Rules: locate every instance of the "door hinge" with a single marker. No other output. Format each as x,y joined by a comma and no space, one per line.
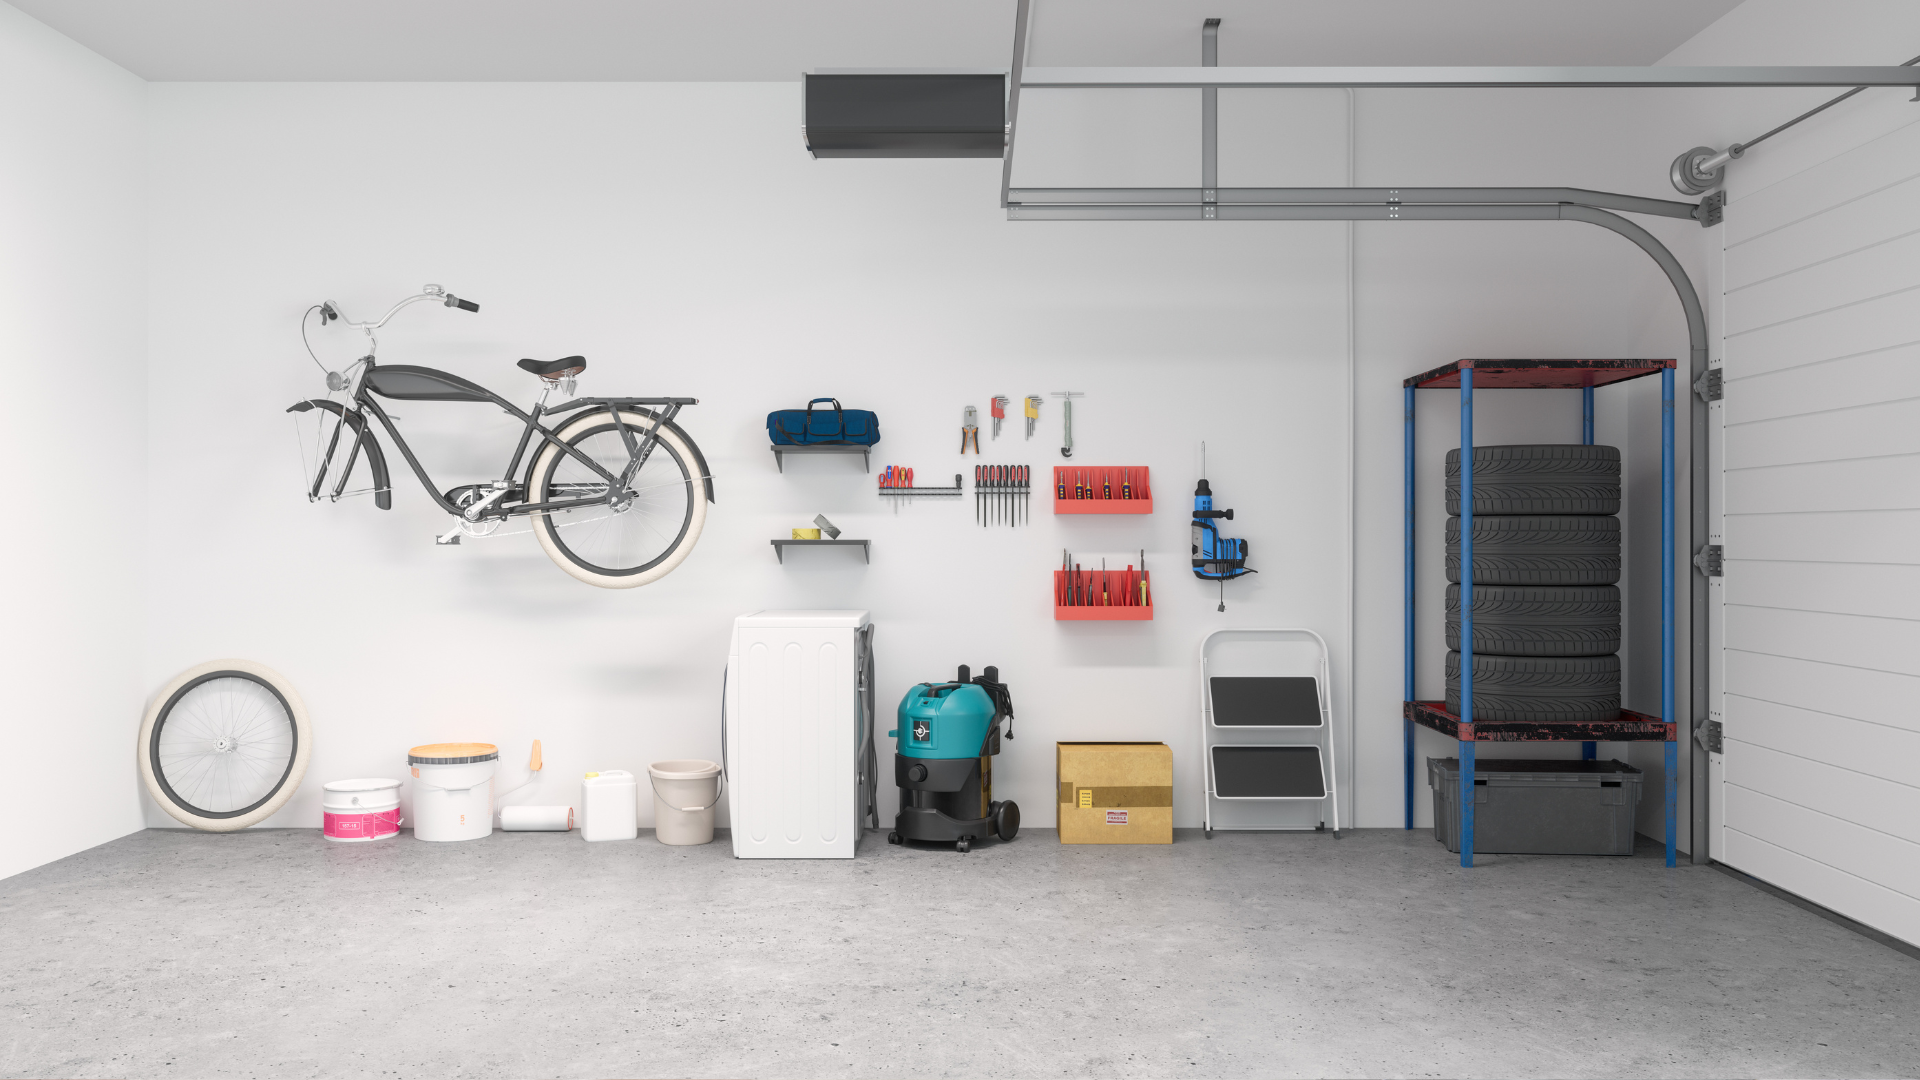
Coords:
1713,209
1708,385
1712,736
1710,560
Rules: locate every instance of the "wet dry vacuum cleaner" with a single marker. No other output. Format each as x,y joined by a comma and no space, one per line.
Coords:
943,757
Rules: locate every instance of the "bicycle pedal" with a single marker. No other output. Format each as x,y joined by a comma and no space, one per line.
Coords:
446,541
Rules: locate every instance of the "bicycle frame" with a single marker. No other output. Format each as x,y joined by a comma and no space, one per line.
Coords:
640,445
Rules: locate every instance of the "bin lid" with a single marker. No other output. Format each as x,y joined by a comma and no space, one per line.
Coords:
452,753
1520,768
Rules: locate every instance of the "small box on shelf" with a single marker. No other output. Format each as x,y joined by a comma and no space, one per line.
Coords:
1101,489
1102,595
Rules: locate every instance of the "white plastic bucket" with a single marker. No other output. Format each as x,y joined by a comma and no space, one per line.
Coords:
609,806
357,810
684,794
453,790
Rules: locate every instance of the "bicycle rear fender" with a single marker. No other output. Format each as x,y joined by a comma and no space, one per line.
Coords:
699,459
376,458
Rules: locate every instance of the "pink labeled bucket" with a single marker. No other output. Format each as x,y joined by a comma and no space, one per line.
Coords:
353,810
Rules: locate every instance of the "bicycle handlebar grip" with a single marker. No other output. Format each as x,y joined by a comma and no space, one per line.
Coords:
465,305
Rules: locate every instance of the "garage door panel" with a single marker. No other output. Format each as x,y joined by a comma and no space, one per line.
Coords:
1892,265
1843,845
1891,592
1876,164
1878,430
1885,536
1890,483
1861,899
1850,226
1887,375
1848,640
1829,688
1874,802
1877,321
1818,669
1854,745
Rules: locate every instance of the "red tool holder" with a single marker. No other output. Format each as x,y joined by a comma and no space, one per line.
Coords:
1101,489
1101,594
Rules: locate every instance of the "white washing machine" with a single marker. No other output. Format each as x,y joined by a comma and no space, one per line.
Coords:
797,734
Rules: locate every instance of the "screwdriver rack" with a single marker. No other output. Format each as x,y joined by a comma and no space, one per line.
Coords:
1101,489
1000,494
897,481
1102,595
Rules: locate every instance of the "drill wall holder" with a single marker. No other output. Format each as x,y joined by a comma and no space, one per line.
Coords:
1101,489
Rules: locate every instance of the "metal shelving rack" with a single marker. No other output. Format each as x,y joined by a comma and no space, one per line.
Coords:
1583,375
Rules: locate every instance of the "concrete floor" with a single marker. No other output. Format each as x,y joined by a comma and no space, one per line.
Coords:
274,953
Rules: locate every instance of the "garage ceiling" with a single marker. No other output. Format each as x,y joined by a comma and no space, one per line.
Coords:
759,40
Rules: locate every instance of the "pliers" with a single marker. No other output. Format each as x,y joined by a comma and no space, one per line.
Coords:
970,430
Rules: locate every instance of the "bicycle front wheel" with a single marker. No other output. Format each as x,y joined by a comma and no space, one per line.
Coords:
225,745
645,529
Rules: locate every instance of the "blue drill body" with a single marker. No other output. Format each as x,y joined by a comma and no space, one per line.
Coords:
1215,557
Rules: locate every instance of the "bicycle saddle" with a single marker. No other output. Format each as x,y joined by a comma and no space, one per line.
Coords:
562,368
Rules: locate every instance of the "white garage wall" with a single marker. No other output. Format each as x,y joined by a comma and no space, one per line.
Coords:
1822,587
681,239
73,330
1432,292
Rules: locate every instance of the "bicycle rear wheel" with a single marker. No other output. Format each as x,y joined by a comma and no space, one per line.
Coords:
650,526
224,745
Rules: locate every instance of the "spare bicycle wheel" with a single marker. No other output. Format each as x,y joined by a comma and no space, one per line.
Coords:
224,745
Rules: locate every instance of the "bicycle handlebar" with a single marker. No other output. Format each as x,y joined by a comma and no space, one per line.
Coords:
331,310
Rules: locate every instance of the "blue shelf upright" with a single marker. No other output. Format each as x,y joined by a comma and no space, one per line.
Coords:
1585,375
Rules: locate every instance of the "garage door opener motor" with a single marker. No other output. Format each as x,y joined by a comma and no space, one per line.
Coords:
944,748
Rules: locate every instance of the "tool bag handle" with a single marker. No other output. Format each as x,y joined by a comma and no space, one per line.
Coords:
839,421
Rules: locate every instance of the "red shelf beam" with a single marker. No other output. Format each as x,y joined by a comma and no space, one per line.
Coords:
1537,374
1630,727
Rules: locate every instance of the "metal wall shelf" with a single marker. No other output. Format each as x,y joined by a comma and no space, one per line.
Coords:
780,547
1584,375
780,454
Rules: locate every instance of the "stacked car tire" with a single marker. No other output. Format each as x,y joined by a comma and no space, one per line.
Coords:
1546,563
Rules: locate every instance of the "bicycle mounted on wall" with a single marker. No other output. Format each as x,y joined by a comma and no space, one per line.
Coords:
611,490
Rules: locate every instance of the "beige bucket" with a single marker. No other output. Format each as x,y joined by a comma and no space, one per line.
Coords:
684,794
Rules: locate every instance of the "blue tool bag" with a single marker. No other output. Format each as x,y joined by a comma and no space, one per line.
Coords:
805,427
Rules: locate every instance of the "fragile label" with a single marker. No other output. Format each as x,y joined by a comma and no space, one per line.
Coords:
1116,817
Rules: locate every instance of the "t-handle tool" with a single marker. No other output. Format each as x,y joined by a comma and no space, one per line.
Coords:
998,410
1033,412
1066,448
970,429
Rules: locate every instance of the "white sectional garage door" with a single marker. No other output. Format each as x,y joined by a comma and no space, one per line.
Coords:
1819,690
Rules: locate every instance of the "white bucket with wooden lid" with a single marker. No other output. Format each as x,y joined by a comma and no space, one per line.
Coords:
453,790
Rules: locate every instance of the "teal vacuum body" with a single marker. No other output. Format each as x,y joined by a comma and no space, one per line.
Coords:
944,748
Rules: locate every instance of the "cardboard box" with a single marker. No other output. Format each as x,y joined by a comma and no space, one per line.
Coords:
1115,792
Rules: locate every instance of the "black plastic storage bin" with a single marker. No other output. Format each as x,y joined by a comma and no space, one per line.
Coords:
1523,807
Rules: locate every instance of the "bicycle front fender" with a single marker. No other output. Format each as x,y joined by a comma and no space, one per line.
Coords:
376,458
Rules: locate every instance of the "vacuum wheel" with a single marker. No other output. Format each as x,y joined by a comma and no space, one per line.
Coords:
893,837
963,845
1006,820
